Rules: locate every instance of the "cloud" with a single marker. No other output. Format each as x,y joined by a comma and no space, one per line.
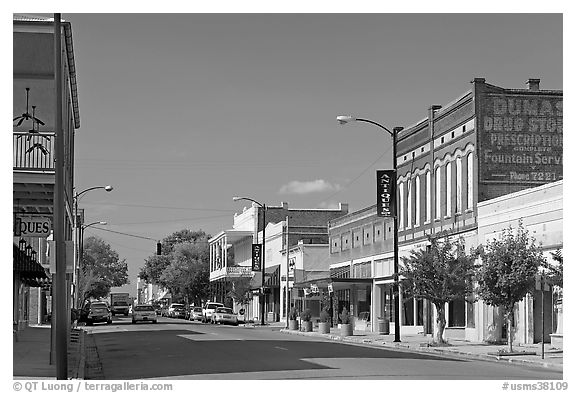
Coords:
308,187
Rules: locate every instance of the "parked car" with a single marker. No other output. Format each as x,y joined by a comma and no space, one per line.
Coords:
97,312
176,310
208,310
144,312
195,313
224,315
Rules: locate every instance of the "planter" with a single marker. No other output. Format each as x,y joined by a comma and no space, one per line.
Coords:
293,324
307,326
383,326
324,327
346,330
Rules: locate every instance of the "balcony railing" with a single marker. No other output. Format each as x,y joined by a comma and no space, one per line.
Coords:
33,152
231,272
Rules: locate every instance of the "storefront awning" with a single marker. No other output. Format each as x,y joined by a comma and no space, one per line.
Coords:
29,270
337,283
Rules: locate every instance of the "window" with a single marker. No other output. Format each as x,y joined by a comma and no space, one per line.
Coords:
457,313
417,208
470,180
409,204
448,189
458,184
438,194
368,234
428,197
401,210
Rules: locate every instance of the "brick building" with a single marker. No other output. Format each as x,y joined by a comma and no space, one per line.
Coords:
231,250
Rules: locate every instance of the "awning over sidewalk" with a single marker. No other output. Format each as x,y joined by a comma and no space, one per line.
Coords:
25,265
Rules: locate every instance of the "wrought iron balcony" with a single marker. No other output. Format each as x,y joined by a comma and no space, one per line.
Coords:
33,151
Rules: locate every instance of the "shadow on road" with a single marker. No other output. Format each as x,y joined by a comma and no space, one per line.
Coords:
172,352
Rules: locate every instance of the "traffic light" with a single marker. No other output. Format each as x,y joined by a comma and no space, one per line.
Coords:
158,248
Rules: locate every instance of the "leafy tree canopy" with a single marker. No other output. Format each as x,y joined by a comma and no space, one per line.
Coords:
183,267
509,267
440,273
102,269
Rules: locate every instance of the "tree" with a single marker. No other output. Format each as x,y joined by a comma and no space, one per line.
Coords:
102,269
440,273
508,271
183,267
241,291
555,271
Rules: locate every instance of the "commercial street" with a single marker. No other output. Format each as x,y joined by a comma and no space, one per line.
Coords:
178,349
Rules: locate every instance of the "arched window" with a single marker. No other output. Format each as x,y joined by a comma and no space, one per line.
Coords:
470,180
409,203
401,206
438,193
458,184
417,208
428,197
448,189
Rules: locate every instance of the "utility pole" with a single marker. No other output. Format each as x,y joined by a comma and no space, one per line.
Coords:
60,306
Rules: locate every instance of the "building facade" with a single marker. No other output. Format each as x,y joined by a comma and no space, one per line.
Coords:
231,251
490,142
34,111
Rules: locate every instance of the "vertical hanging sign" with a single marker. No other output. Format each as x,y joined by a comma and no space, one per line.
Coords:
256,257
385,190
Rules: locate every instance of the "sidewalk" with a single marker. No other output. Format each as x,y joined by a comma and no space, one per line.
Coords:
528,355
31,354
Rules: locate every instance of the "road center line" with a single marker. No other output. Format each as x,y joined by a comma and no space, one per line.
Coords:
284,349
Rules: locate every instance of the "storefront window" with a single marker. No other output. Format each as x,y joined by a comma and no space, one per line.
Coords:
456,313
470,319
408,312
420,312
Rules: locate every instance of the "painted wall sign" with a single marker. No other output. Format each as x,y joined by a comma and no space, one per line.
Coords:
32,226
385,193
521,139
256,257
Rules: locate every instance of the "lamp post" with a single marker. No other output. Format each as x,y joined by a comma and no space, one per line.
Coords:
78,226
82,228
262,296
77,196
394,134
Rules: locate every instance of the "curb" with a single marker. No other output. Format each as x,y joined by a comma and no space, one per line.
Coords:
448,353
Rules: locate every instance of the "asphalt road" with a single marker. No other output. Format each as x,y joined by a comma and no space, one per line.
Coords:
178,349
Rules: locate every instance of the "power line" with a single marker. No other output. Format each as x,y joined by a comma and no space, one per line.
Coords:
173,220
125,234
160,207
141,237
356,178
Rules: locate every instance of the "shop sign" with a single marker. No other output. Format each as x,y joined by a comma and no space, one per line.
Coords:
256,257
32,226
385,180
239,271
521,138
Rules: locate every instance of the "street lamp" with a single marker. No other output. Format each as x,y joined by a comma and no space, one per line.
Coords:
394,134
78,225
77,196
262,296
82,228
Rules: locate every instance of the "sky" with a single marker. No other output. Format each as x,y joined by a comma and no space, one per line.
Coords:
181,112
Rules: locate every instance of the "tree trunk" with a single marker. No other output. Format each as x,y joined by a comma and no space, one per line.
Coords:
440,323
509,329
